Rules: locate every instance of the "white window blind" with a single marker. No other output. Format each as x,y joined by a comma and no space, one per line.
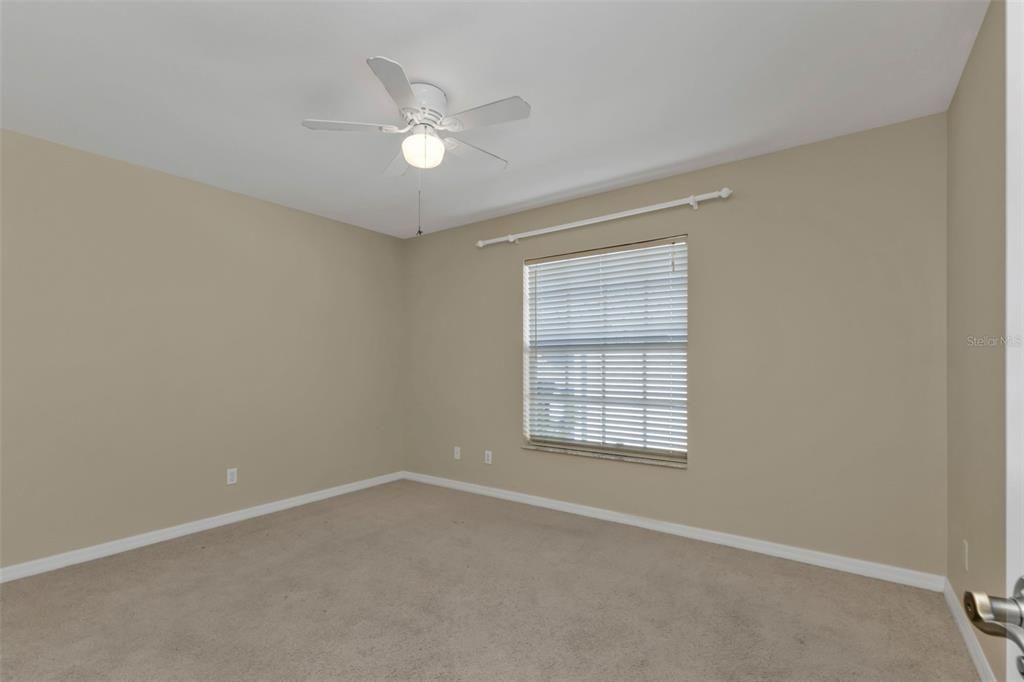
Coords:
605,337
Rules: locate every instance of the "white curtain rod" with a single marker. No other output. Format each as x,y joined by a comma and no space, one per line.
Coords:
692,200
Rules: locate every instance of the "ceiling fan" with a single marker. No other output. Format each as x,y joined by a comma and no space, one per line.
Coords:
427,122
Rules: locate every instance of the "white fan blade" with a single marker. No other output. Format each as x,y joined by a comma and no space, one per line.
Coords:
508,109
392,77
469,152
397,167
349,126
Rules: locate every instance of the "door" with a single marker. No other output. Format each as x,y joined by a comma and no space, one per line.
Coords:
1004,616
1014,311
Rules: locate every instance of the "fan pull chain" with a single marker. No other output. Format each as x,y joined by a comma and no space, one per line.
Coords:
419,203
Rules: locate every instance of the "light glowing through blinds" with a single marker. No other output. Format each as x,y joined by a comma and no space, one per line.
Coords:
605,344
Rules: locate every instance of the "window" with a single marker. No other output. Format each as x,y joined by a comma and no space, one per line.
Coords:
605,336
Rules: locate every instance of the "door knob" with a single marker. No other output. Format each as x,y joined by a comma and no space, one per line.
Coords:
999,616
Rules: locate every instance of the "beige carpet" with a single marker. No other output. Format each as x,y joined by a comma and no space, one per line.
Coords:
412,582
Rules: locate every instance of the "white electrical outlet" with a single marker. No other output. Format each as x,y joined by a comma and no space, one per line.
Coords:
457,452
966,556
232,476
488,456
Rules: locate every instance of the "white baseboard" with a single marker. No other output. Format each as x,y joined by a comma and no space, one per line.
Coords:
870,569
969,634
895,574
77,556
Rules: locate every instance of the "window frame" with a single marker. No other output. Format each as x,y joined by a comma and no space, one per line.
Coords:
624,454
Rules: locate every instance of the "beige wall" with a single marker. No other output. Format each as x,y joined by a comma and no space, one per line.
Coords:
157,331
977,259
255,336
817,350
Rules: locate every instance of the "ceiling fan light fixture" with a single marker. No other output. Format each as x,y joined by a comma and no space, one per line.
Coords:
424,108
423,148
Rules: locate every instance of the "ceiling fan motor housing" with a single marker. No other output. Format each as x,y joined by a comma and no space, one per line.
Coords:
433,105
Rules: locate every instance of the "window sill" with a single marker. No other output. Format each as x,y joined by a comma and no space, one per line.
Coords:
635,459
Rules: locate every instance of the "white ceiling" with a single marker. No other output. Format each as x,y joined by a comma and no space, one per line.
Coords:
621,91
